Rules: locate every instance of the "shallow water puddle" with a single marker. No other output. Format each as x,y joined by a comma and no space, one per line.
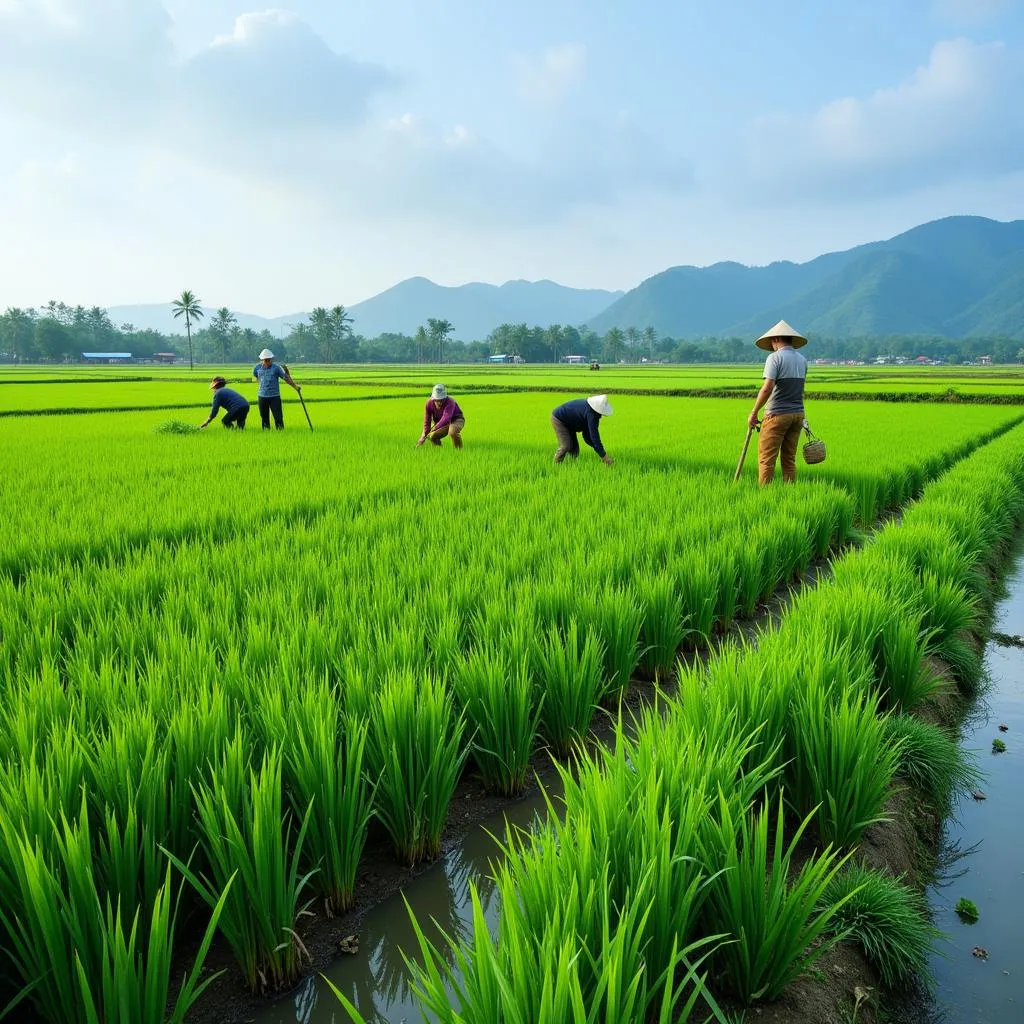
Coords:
376,978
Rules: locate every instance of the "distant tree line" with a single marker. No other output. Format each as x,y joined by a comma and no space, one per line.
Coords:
60,333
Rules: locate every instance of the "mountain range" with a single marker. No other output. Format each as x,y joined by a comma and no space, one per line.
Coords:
955,277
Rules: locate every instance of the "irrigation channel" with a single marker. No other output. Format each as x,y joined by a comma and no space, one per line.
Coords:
979,972
981,857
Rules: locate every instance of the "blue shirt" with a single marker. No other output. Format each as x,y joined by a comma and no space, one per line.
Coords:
579,417
268,376
228,400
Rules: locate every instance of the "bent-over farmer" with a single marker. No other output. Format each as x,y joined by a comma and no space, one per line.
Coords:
581,416
782,397
442,418
235,407
270,375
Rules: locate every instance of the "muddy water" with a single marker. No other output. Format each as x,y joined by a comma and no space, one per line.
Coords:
376,979
986,840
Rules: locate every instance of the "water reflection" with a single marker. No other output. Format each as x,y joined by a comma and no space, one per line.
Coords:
377,979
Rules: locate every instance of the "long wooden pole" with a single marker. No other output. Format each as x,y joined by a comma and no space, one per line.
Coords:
743,455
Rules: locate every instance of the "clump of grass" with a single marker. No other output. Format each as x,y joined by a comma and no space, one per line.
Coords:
175,427
929,759
967,909
569,672
779,925
245,831
843,762
497,698
415,754
886,919
998,746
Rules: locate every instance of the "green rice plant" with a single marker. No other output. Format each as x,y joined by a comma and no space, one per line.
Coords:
324,772
251,838
415,753
662,632
772,911
698,588
615,615
888,920
751,563
569,673
967,910
905,679
497,698
486,989
77,959
929,760
843,762
175,427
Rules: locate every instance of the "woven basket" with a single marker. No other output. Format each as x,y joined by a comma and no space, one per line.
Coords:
814,452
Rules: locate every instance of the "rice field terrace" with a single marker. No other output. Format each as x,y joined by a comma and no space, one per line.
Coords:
229,659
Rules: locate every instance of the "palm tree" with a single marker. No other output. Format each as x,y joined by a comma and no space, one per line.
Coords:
188,307
340,328
439,332
220,326
651,337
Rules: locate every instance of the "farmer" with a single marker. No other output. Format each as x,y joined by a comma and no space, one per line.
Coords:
235,407
581,416
442,413
782,397
269,374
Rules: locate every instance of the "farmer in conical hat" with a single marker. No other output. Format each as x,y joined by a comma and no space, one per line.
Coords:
235,407
581,416
782,398
442,418
269,374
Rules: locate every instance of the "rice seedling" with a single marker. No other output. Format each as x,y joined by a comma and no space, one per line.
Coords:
80,957
415,752
569,674
662,631
324,773
616,616
778,925
246,835
929,760
888,920
503,715
842,763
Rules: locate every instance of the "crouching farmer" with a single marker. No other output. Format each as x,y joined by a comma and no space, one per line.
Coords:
442,418
581,416
235,407
782,398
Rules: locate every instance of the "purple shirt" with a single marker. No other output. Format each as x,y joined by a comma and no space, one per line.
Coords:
449,411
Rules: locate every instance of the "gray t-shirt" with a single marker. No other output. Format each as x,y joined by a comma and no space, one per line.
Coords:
789,371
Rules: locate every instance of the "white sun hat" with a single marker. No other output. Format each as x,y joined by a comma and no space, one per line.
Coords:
266,354
599,403
440,392
781,330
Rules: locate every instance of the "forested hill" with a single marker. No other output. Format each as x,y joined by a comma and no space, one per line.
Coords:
956,277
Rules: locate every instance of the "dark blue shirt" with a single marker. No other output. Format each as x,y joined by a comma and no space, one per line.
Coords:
228,400
579,417
269,378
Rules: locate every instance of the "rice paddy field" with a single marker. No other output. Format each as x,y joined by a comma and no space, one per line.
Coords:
230,659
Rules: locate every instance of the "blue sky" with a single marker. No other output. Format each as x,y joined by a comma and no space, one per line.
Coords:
273,159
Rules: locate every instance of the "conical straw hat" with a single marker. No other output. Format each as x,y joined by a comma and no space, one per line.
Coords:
600,405
781,330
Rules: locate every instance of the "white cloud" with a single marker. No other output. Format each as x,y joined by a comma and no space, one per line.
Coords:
548,78
961,113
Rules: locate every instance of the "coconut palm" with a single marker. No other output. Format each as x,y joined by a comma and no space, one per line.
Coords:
187,306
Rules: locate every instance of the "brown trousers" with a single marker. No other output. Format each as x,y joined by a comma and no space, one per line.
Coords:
452,429
568,442
779,433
